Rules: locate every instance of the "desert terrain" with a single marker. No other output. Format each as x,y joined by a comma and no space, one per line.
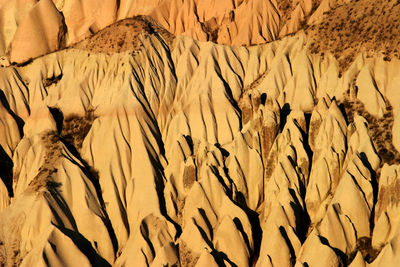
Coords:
200,133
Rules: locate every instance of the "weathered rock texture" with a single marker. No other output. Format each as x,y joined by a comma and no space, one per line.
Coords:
135,147
235,22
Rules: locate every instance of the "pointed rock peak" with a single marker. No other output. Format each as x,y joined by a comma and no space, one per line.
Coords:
41,32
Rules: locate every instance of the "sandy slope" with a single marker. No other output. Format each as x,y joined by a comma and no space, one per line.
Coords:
165,150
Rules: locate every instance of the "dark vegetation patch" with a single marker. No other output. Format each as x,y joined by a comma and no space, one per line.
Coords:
364,246
75,128
71,131
186,256
44,178
380,129
52,80
286,8
372,26
124,35
389,195
211,27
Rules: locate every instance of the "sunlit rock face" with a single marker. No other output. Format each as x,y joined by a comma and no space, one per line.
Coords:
31,28
199,133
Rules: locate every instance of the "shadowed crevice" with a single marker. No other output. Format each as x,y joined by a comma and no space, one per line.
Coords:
85,247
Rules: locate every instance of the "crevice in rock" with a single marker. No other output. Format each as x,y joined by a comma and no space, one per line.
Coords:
6,171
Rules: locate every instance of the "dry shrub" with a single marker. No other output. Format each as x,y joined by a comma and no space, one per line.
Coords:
365,248
124,35
186,256
366,25
380,129
52,80
53,152
75,128
189,176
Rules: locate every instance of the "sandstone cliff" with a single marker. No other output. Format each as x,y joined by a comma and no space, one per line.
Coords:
137,147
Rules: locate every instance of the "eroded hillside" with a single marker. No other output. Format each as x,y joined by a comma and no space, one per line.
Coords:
34,28
136,147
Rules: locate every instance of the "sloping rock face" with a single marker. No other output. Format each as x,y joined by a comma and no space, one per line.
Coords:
136,147
31,28
41,31
226,22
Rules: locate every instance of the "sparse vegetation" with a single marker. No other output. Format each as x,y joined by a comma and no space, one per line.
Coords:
380,129
389,195
286,8
211,27
53,151
124,36
186,257
371,26
189,176
366,249
52,80
75,128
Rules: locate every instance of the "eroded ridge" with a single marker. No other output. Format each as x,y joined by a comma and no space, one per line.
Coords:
167,151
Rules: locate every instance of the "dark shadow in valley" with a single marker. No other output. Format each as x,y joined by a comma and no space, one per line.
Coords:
6,171
84,246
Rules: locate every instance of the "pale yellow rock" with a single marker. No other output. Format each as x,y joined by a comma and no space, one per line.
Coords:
396,129
358,261
247,165
195,149
389,255
29,152
327,163
206,259
228,238
299,91
4,197
56,200
315,252
329,80
316,119
41,120
64,253
9,132
15,92
350,208
140,247
368,92
386,215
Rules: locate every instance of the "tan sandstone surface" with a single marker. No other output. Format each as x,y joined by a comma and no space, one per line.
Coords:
140,143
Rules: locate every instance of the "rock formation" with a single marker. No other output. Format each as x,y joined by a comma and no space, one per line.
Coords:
126,139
